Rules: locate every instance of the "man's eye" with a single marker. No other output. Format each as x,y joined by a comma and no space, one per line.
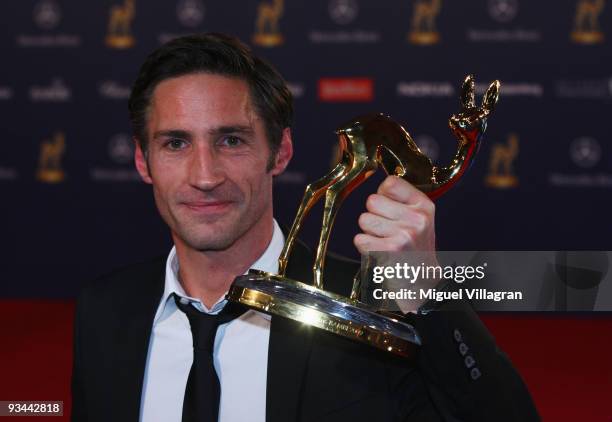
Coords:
231,141
175,144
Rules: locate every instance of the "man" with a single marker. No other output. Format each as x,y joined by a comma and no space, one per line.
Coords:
212,128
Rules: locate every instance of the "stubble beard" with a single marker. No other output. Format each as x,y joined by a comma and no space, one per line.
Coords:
219,234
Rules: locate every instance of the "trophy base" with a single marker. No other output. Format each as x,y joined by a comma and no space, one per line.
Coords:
424,38
268,40
50,176
499,181
120,42
337,314
587,37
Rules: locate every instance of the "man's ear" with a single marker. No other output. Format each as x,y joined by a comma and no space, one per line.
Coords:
284,154
141,163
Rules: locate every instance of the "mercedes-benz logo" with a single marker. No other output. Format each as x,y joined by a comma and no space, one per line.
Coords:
503,10
585,152
190,13
343,11
47,14
121,148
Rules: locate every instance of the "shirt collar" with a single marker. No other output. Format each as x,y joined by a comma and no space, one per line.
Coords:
268,262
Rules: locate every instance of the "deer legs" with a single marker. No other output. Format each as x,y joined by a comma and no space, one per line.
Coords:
313,193
333,199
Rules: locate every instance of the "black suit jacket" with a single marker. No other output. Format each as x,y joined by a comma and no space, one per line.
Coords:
312,375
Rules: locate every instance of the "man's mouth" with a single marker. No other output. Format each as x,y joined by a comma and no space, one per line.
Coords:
208,207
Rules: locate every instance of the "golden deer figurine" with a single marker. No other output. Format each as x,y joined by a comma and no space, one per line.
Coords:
587,13
424,14
375,140
121,17
502,156
268,14
49,164
586,27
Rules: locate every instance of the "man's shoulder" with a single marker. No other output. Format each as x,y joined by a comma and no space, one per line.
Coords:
127,281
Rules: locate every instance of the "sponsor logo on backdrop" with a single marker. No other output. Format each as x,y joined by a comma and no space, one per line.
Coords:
6,93
120,149
422,89
343,13
428,146
439,89
586,22
585,88
503,10
296,88
585,154
47,16
267,33
190,14
56,92
501,174
50,159
113,90
516,89
346,89
423,24
503,14
120,19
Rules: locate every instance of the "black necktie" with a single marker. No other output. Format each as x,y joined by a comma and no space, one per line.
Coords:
201,402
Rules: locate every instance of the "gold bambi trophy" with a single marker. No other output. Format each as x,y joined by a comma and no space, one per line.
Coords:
50,159
423,27
586,25
500,165
119,35
268,15
366,143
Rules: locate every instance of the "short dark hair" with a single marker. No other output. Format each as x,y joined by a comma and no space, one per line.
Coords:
218,54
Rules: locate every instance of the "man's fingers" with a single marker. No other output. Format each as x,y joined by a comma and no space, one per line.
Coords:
368,243
407,214
376,225
401,190
399,217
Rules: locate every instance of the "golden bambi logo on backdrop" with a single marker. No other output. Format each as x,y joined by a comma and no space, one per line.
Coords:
267,33
500,165
423,26
50,159
120,19
366,143
586,24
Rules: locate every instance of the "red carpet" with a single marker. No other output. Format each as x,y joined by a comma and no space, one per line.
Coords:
566,362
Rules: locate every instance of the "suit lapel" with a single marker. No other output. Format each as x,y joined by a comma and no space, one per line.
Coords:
289,351
134,332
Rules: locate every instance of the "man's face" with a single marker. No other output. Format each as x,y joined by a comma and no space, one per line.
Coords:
207,159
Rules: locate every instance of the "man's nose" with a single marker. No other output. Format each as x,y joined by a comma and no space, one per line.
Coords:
206,170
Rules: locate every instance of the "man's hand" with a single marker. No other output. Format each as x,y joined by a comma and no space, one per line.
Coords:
399,218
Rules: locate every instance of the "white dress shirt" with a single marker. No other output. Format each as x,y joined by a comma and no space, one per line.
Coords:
240,352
